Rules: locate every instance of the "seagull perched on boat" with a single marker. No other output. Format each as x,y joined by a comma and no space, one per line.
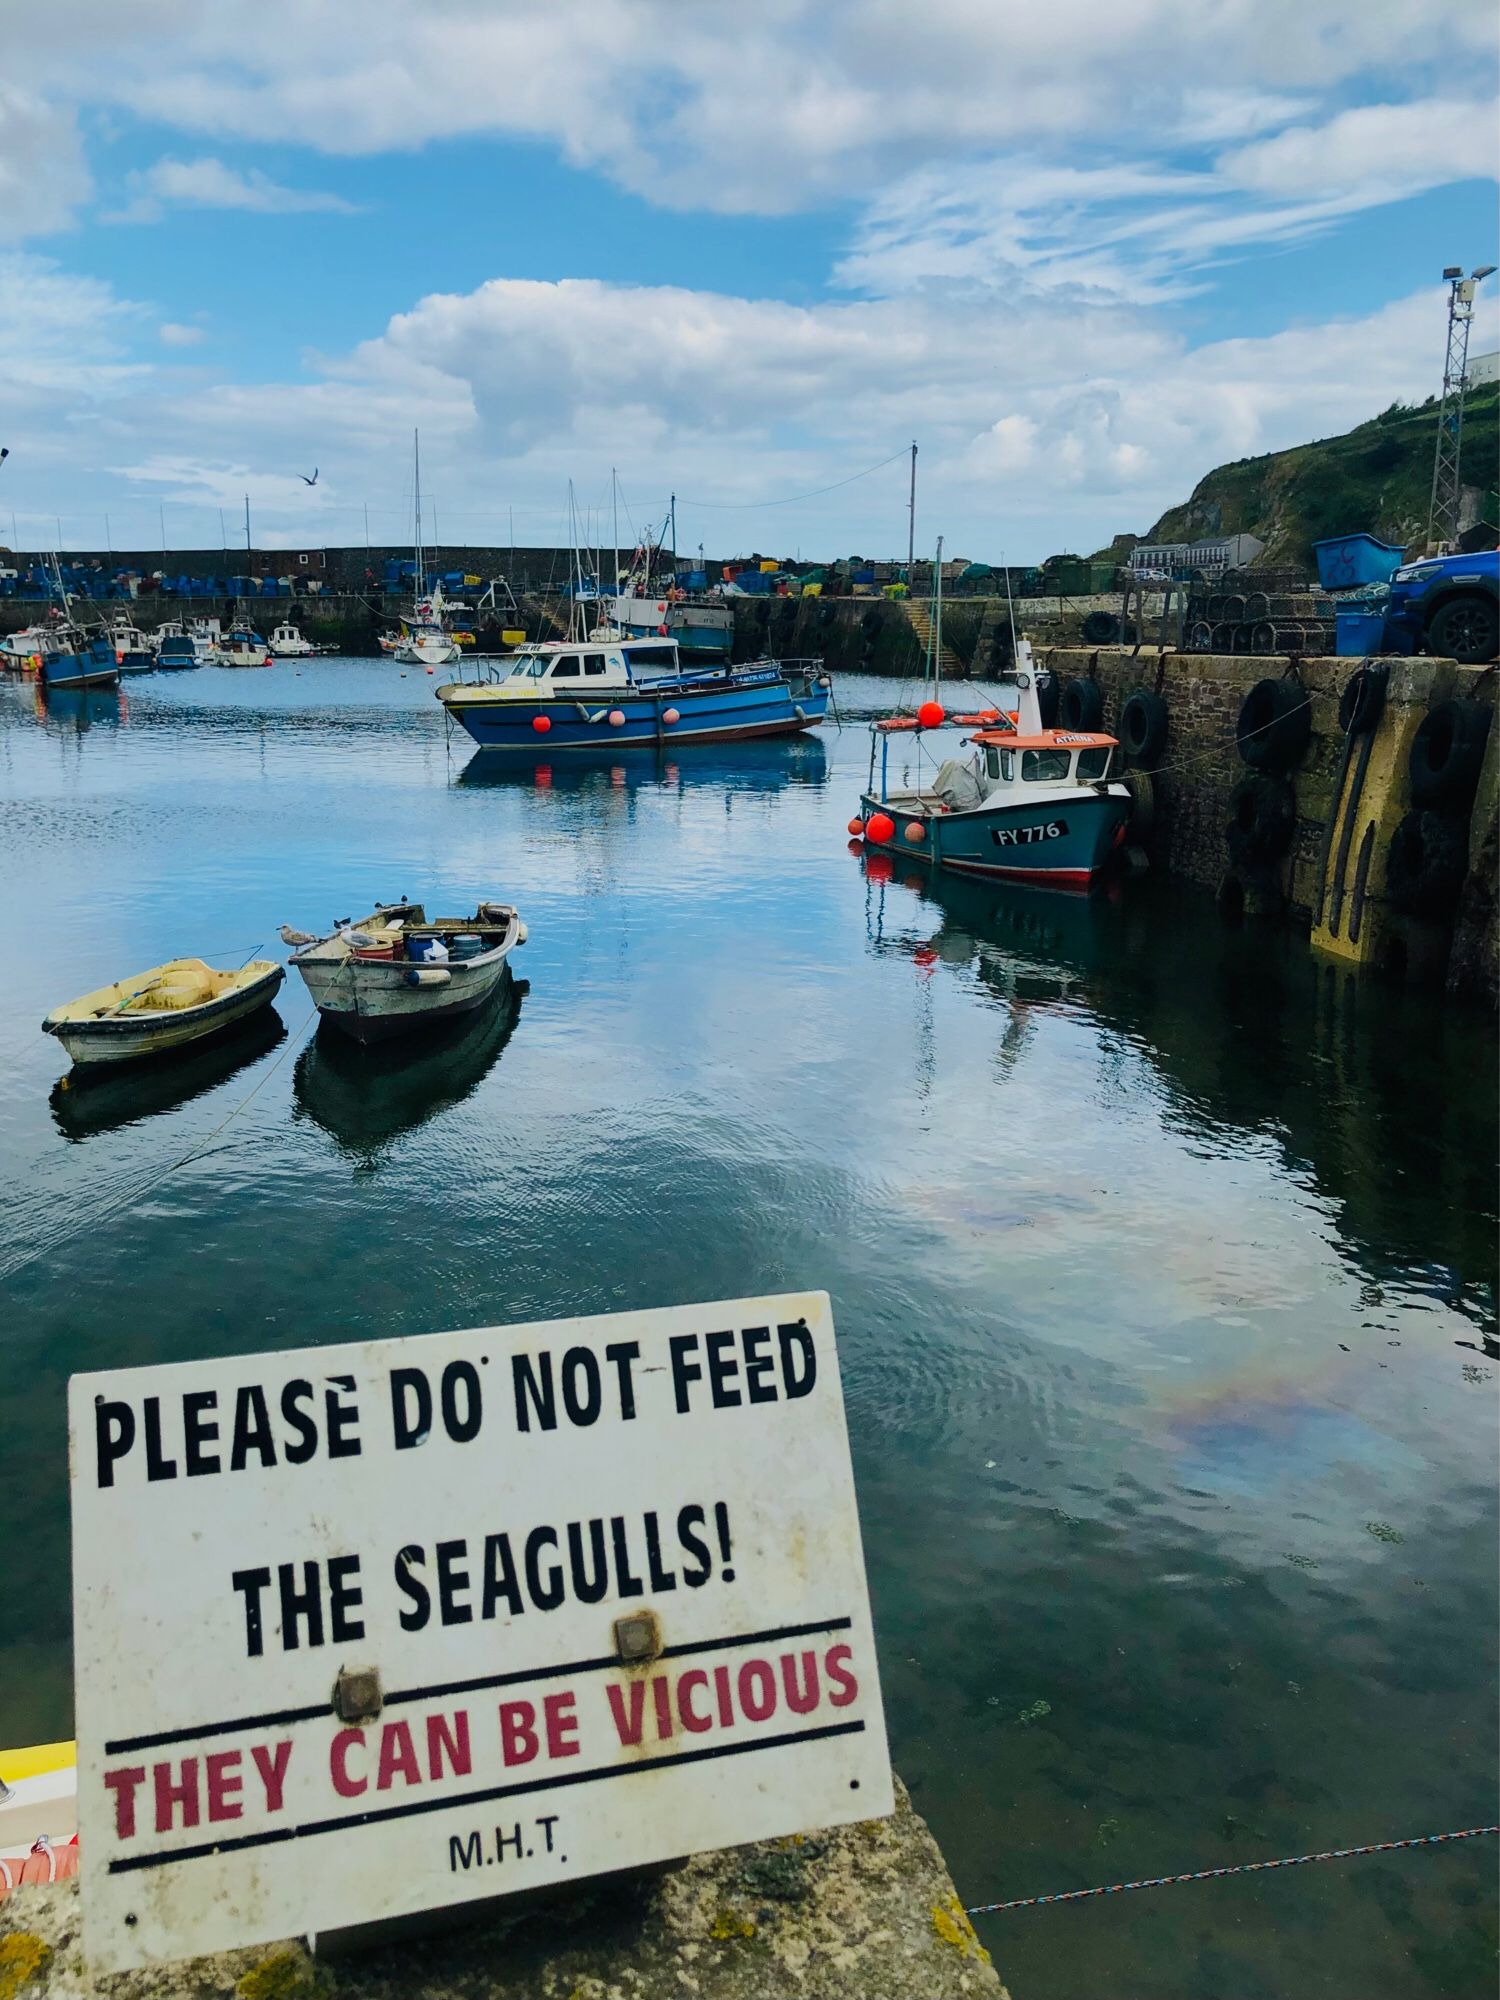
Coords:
296,939
306,481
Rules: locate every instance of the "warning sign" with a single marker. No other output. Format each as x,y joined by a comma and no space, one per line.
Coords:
369,1629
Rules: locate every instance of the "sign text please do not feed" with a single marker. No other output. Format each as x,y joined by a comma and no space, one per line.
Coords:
369,1629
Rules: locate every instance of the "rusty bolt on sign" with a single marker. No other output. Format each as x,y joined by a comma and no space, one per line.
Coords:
638,1637
358,1695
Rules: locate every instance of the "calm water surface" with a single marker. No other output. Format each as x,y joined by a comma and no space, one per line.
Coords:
1163,1268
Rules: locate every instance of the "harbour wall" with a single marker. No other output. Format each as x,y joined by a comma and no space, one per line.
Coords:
1436,927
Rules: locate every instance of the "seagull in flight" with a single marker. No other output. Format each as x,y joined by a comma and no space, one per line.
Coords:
306,481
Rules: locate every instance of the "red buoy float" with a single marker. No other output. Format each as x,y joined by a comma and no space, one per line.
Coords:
931,715
916,833
880,827
616,718
670,715
541,724
857,828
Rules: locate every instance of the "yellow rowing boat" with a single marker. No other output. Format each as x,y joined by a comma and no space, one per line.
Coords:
161,1009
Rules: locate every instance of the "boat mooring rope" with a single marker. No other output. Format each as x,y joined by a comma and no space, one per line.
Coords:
1238,1868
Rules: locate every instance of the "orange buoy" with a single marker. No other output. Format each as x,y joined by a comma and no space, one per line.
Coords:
879,827
616,718
670,715
540,723
931,715
916,833
857,828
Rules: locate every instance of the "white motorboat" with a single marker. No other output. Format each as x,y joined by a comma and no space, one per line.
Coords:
396,971
290,642
243,648
24,651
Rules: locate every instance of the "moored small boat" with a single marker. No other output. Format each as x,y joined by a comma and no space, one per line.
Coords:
163,1008
177,650
1032,805
395,971
609,692
243,648
290,642
91,663
134,652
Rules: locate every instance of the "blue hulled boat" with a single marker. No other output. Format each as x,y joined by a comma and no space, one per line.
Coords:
608,692
90,664
1032,804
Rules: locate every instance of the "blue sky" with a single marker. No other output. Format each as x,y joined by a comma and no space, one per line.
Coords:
739,256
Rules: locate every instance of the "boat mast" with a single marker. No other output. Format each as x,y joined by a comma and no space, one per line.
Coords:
937,616
614,499
911,515
416,459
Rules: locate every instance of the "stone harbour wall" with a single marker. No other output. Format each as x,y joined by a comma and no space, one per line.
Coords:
1193,789
866,1912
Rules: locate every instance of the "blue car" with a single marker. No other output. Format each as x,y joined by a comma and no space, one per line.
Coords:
1448,606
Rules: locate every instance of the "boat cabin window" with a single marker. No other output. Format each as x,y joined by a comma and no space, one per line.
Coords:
1092,764
1044,767
528,666
653,656
595,664
999,763
568,670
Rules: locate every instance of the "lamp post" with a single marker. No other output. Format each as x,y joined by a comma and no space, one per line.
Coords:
1447,492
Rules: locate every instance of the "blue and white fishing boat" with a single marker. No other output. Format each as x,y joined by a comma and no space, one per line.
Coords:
608,692
134,652
177,650
1030,805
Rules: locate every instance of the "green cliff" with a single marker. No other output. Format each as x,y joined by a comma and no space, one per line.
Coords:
1377,477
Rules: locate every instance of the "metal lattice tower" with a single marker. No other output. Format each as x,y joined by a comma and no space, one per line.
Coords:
1442,514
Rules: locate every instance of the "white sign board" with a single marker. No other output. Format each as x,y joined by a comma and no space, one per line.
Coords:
484,1519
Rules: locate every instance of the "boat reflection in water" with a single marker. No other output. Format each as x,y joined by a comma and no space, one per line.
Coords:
79,708
106,1096
366,1096
767,766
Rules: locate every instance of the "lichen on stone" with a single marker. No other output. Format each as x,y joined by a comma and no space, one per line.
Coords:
22,1956
286,1975
951,1922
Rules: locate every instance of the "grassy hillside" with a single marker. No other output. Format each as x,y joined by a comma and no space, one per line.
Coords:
1377,477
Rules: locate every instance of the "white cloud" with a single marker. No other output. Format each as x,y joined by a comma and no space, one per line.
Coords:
1044,422
209,183
1375,152
43,177
793,103
171,333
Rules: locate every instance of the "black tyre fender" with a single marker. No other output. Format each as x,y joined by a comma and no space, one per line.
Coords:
1142,791
1362,701
1048,697
1275,725
1446,753
1143,727
1082,704
1101,628
1262,820
1466,629
1425,864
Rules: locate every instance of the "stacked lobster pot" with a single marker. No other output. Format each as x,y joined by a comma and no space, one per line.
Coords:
1262,612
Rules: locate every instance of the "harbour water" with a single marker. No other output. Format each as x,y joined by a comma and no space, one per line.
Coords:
1163,1267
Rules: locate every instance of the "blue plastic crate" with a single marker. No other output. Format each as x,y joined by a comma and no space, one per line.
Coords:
1357,634
1346,561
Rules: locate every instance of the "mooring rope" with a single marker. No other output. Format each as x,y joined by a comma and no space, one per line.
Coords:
1238,1868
